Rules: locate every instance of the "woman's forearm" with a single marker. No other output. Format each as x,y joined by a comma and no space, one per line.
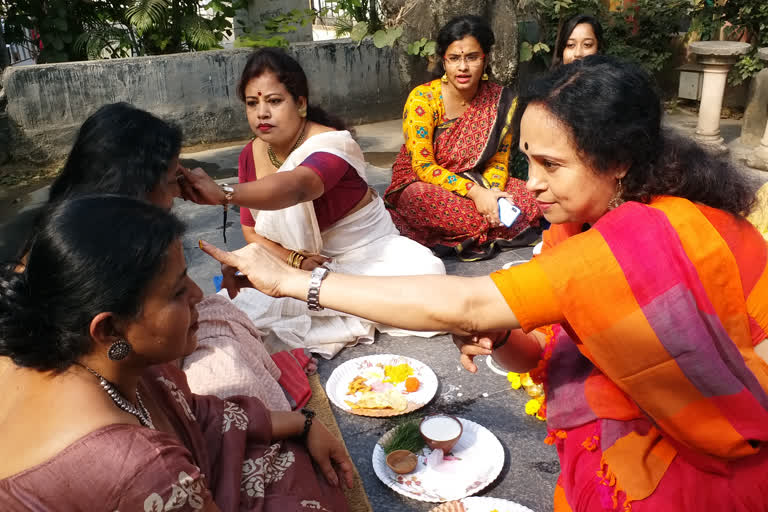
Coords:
459,305
279,190
521,352
286,425
254,238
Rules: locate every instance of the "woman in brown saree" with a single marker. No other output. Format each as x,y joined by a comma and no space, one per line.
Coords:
94,413
453,167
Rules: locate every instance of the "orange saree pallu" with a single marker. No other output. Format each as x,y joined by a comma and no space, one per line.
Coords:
654,392
449,222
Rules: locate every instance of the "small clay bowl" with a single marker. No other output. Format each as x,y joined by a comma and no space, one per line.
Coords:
402,461
441,444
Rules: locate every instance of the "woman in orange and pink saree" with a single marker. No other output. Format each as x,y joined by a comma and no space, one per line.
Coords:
645,317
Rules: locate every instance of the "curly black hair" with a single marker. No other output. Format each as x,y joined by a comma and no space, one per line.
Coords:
613,112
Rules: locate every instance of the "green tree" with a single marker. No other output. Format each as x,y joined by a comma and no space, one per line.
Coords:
55,26
642,32
747,19
67,30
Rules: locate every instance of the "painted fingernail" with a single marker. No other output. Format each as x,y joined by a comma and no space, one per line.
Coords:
200,243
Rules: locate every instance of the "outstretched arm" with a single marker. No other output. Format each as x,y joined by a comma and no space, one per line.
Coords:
459,305
273,192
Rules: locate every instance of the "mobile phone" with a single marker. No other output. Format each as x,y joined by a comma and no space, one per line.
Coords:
508,212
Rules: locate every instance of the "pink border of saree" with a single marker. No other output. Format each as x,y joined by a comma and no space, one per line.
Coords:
668,327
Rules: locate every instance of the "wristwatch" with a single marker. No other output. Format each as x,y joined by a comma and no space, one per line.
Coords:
313,294
228,193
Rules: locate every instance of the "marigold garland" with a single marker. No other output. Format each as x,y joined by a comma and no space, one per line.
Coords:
533,381
534,406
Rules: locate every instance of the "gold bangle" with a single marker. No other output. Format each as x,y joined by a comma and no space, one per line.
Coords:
295,259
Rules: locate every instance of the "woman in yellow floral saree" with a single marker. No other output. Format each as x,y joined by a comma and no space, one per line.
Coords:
453,166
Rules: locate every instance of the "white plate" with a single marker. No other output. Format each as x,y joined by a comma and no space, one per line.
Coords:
338,383
480,458
482,504
511,264
495,368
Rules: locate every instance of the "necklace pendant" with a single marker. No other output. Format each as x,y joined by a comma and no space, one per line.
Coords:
141,412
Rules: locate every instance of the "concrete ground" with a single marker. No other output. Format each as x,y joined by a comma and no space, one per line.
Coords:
531,467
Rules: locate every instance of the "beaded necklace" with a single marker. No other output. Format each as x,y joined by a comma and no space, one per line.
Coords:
273,157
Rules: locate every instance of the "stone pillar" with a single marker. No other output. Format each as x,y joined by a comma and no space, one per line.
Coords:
716,58
759,159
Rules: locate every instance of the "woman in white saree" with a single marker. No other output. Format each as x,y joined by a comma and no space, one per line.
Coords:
303,195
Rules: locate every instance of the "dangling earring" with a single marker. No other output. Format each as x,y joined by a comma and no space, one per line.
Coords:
119,350
617,201
484,77
444,78
303,111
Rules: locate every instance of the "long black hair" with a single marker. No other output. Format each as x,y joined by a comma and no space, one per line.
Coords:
613,112
119,149
93,254
290,73
566,28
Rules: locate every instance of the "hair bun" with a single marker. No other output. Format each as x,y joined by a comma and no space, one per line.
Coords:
25,334
14,291
16,318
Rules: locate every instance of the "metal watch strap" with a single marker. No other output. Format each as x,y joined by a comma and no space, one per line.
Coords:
313,294
229,191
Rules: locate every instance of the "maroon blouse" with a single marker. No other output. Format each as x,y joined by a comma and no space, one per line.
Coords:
344,187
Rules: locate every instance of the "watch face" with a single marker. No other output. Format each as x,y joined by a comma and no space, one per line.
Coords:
228,189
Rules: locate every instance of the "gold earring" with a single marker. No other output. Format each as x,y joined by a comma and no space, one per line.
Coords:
484,77
617,201
303,111
444,78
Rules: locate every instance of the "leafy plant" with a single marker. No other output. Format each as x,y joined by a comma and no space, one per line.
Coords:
740,19
642,32
270,34
423,47
528,50
55,25
66,30
350,13
645,32
381,38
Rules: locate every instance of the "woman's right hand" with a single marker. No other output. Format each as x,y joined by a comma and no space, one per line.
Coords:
474,345
330,455
487,203
198,187
313,261
264,270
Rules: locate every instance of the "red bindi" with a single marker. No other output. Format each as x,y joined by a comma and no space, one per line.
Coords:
259,93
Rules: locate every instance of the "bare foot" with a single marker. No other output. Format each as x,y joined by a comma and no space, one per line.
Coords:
450,506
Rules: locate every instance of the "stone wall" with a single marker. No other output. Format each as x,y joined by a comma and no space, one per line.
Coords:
47,103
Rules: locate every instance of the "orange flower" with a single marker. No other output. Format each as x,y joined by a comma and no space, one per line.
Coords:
412,384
